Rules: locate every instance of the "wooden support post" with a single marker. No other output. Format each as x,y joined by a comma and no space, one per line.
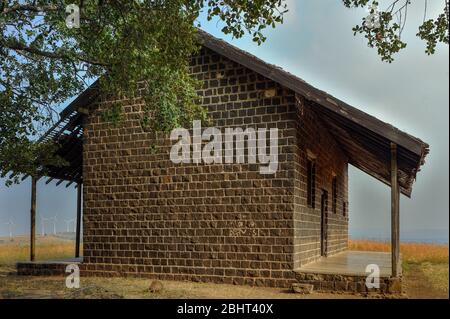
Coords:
78,234
395,213
33,219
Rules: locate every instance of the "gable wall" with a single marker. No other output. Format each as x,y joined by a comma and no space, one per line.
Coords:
144,215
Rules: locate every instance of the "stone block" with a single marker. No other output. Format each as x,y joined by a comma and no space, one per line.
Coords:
302,288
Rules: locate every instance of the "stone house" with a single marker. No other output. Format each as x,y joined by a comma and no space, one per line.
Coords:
227,223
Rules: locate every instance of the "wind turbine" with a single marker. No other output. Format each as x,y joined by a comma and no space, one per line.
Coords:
43,220
54,224
68,221
10,224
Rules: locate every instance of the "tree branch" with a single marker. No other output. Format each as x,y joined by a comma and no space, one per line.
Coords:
17,46
29,7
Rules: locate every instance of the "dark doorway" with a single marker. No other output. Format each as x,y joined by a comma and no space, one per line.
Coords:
323,222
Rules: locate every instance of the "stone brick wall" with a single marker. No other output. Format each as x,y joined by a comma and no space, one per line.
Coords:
349,283
144,215
314,138
43,268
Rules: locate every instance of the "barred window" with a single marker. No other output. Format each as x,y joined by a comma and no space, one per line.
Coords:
311,183
334,194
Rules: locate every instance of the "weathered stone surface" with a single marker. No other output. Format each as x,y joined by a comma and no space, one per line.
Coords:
351,284
146,216
41,269
327,285
302,288
341,285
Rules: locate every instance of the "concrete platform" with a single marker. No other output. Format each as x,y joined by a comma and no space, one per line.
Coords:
350,263
45,267
346,272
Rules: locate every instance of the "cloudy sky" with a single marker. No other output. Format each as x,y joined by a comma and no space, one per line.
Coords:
316,43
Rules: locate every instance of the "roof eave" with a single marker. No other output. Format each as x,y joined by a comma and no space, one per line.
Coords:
299,86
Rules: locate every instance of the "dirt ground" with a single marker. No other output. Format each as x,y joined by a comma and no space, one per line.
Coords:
417,285
12,286
426,281
425,270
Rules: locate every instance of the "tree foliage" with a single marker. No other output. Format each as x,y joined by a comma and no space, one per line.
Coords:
386,34
130,45
133,45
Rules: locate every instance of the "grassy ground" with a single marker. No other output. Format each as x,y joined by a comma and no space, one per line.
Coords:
130,288
425,276
425,266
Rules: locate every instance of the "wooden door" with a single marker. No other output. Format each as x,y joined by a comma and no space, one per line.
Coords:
323,222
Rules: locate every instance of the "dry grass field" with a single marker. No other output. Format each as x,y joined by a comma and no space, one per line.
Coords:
425,269
47,248
410,252
425,266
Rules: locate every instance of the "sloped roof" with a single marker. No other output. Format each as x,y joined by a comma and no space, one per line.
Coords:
365,139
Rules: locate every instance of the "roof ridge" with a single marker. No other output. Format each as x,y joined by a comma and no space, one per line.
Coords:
210,39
